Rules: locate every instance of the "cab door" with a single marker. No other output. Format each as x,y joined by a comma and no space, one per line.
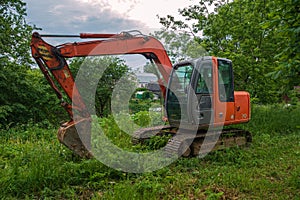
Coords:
224,101
178,94
202,107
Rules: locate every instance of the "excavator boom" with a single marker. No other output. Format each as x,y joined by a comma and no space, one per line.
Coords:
51,60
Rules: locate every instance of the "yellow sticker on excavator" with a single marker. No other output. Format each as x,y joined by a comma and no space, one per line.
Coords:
44,52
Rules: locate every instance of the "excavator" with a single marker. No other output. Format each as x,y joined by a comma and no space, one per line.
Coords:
198,94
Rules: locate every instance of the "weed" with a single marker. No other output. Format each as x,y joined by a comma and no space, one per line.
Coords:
33,165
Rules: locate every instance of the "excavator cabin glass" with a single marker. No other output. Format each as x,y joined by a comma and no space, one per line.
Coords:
195,88
178,91
189,92
225,80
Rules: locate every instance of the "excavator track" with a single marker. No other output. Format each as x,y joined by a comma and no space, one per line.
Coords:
186,144
218,140
143,134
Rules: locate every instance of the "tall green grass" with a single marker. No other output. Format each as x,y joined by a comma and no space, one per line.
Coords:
274,119
33,165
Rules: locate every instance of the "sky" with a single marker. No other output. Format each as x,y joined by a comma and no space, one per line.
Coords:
101,16
75,16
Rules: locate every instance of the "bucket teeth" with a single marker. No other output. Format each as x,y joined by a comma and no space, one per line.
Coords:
77,137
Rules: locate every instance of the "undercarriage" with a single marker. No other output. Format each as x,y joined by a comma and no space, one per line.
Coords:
187,143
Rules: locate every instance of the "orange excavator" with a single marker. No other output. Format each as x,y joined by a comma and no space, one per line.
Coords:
198,93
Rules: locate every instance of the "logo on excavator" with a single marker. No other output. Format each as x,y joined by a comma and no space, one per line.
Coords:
44,52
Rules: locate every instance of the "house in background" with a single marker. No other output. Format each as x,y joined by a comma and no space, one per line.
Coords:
155,88
149,81
145,78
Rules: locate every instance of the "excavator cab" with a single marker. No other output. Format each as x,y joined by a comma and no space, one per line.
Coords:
201,92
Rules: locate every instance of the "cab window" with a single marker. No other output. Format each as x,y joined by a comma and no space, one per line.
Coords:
225,76
205,81
183,76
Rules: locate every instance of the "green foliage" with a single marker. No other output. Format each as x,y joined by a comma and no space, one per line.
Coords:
25,95
14,33
44,103
111,128
12,73
179,46
146,94
142,103
105,72
118,128
34,165
136,105
260,37
284,20
142,118
266,118
157,142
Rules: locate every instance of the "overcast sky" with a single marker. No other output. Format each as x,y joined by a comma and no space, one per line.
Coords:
101,16
75,16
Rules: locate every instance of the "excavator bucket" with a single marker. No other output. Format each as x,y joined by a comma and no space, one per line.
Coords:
77,137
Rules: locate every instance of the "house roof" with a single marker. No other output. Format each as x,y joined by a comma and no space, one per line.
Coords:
146,77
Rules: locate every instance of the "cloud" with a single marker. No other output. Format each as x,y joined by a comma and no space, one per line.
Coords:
73,16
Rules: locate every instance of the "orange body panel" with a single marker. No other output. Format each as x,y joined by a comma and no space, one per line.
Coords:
242,107
227,113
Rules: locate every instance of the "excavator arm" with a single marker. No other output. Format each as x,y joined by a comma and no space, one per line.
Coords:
51,59
52,62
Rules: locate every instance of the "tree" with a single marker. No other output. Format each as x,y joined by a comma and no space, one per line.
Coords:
237,30
14,33
286,20
180,45
18,93
25,94
104,71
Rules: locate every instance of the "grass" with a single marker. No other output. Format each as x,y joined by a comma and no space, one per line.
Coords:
33,165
